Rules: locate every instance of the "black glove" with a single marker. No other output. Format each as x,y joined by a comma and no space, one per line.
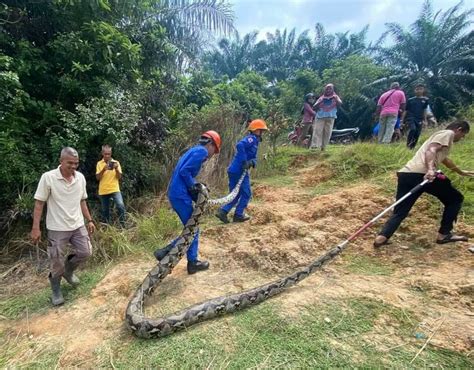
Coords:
253,163
247,165
195,190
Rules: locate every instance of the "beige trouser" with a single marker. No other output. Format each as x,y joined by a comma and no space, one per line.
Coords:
57,243
322,128
386,128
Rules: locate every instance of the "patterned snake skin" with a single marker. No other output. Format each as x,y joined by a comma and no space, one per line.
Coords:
145,327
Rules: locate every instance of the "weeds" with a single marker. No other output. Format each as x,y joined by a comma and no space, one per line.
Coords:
21,305
148,232
366,265
20,352
272,164
354,332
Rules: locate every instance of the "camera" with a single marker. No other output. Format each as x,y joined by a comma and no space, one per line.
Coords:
111,165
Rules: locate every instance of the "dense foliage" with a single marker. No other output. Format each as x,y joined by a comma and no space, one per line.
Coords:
140,75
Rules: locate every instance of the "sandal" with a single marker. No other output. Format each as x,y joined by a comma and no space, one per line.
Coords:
385,242
451,238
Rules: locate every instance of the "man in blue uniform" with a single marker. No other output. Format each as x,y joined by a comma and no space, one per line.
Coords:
183,190
245,157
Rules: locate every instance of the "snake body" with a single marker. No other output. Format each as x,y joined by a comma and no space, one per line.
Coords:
145,327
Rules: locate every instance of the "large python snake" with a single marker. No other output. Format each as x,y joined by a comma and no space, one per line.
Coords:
145,327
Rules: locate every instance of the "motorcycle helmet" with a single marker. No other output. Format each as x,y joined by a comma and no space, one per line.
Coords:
309,96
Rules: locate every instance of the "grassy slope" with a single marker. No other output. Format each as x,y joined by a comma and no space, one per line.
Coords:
369,161
334,333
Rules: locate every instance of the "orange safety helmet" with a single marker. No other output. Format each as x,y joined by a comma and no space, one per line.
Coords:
215,137
257,124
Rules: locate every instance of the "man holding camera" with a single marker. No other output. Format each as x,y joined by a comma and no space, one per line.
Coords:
108,173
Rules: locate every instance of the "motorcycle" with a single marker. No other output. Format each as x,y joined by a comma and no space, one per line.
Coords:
344,136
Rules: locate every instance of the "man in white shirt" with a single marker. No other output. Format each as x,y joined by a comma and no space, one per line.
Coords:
63,190
432,153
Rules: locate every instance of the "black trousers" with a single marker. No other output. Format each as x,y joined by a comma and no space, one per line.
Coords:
442,189
413,133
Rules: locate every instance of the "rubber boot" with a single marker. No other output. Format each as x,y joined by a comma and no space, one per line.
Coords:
57,297
196,266
222,215
69,268
161,253
243,218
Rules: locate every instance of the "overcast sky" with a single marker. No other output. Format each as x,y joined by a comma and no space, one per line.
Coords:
335,15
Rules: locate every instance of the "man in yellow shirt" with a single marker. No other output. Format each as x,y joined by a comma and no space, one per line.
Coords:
108,173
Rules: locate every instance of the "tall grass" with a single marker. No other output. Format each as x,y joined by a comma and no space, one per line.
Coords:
379,162
147,233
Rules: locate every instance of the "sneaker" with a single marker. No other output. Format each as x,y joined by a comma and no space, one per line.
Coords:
197,266
222,215
243,218
161,253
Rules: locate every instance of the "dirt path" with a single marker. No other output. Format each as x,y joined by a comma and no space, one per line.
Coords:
289,229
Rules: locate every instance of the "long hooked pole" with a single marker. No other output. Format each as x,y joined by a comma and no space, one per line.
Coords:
371,222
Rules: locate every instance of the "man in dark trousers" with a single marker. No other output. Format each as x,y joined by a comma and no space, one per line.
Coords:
244,158
415,115
422,166
183,190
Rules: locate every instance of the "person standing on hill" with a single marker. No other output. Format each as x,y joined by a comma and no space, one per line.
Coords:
433,152
415,115
63,190
245,157
388,107
183,190
308,117
108,173
326,114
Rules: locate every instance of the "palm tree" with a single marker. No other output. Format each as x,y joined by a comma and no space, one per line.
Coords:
326,48
233,55
188,24
437,50
281,54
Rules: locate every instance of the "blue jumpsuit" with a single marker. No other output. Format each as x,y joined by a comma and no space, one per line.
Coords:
246,151
182,180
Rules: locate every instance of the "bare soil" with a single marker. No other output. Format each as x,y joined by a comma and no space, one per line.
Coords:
289,228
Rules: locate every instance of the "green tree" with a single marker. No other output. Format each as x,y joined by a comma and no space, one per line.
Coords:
436,49
280,55
291,92
64,65
326,48
232,55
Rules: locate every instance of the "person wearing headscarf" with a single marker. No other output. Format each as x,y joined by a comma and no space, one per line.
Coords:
326,113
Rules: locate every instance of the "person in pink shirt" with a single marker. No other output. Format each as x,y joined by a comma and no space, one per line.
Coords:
389,105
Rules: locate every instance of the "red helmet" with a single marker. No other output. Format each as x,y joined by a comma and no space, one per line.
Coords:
216,139
257,124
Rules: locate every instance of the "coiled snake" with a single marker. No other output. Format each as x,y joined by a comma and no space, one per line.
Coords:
145,327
